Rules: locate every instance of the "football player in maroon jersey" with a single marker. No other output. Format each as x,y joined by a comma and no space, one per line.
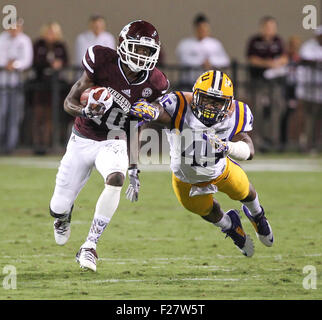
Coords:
100,135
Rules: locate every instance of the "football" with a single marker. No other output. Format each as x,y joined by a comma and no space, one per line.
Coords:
96,96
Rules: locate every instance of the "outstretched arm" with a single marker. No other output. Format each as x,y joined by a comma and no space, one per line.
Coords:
164,116
147,112
240,147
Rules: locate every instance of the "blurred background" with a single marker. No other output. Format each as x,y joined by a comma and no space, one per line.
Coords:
272,50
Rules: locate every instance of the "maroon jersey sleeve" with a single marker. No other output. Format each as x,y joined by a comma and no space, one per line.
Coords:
160,83
94,60
88,62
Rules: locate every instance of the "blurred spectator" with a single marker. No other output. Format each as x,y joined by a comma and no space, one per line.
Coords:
50,55
15,56
309,90
266,49
292,50
96,35
200,51
267,60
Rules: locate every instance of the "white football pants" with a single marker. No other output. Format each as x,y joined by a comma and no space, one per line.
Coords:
81,156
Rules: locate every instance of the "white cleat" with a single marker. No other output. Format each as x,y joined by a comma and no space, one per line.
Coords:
87,257
61,231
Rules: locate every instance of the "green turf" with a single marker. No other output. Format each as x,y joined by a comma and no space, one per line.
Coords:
154,249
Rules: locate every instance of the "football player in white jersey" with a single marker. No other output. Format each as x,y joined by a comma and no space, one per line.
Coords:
208,129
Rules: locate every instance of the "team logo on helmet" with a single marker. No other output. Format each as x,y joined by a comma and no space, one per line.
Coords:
228,82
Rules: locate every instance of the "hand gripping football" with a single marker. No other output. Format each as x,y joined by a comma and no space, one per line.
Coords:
96,95
96,101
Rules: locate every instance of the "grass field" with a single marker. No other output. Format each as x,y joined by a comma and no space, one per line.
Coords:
154,249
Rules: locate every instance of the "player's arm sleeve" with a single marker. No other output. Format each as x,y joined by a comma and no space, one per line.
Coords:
169,102
88,62
243,119
240,144
163,84
175,104
166,87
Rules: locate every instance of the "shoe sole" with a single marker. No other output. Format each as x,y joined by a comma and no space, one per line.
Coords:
266,240
86,266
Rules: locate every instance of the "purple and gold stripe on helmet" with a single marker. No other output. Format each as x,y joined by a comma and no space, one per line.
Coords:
220,81
180,111
213,73
216,82
240,118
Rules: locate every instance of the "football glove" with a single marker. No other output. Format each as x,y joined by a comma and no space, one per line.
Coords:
220,146
145,111
102,105
132,192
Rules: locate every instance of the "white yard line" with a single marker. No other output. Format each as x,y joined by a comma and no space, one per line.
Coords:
167,280
116,280
85,282
268,164
208,279
162,260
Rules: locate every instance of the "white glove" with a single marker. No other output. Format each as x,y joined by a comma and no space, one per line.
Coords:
219,145
132,192
100,106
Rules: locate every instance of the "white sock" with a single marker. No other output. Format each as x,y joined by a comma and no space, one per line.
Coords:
254,206
224,223
108,201
99,224
106,206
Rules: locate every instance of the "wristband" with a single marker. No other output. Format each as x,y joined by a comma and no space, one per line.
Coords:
238,150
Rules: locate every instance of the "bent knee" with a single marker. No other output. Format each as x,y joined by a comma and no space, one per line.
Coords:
115,179
251,195
60,205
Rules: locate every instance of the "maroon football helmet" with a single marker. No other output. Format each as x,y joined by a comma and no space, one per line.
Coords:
133,37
